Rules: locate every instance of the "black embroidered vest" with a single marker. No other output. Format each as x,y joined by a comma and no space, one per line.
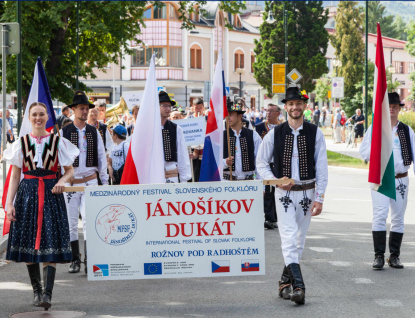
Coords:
130,130
49,155
70,132
102,128
246,140
283,150
405,140
262,129
169,141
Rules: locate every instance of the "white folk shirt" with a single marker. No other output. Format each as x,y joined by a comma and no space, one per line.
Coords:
397,152
82,170
266,155
239,173
183,161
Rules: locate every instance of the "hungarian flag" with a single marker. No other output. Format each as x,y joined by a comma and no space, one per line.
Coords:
145,159
39,92
212,161
381,166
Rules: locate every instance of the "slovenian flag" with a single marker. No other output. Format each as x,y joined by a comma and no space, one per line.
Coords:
145,159
39,92
381,166
212,161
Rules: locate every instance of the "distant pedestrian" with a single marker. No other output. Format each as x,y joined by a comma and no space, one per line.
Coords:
359,120
337,126
10,137
343,121
316,116
65,114
323,117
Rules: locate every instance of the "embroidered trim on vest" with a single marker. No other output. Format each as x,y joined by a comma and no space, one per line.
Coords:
29,151
244,152
302,154
232,141
50,152
89,150
166,145
288,153
404,147
74,140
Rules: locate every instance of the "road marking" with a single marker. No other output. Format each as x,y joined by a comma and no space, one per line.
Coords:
357,200
363,281
316,237
322,249
388,302
338,263
15,286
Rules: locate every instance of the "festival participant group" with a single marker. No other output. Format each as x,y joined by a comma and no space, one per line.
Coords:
84,151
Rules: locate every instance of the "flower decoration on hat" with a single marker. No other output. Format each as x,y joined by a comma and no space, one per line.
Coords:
304,94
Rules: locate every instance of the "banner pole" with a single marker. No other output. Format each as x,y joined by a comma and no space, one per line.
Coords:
229,143
189,150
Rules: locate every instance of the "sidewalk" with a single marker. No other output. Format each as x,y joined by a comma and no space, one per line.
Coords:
340,147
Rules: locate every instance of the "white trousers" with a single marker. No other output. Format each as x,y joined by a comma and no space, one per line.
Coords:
75,204
337,134
294,216
382,203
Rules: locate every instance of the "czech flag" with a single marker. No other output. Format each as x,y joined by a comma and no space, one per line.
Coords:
145,159
212,161
381,166
39,92
220,267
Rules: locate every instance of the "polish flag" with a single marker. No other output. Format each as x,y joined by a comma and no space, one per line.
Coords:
39,92
145,159
381,166
212,161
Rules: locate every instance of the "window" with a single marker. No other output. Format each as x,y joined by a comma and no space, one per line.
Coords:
142,58
196,57
160,13
138,58
252,62
173,13
197,15
175,56
239,59
147,14
399,67
328,64
411,67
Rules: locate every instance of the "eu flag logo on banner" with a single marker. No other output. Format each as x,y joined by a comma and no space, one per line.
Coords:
153,269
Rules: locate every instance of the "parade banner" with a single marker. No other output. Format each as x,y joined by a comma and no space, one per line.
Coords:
133,98
175,230
193,130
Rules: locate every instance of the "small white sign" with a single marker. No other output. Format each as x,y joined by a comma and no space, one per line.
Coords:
294,76
133,98
337,87
193,130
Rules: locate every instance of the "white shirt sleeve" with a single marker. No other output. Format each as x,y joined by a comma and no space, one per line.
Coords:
366,144
257,144
13,154
108,141
102,160
183,161
412,137
320,159
67,152
264,157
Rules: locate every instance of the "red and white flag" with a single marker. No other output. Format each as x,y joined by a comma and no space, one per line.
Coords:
145,159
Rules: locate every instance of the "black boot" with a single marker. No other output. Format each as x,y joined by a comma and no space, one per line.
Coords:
85,259
395,241
285,284
75,266
379,243
49,280
35,280
298,295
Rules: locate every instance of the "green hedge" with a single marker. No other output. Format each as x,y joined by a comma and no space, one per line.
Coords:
408,118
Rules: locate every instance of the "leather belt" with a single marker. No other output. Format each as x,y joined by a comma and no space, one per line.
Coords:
83,180
171,173
401,175
303,187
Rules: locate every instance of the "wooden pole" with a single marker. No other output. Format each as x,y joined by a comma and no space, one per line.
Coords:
57,129
229,143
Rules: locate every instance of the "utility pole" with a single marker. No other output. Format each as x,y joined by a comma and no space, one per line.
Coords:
19,72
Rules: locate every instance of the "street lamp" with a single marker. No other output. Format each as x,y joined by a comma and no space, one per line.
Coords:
270,18
337,63
240,71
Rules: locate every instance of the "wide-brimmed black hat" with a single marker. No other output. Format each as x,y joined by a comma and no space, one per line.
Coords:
294,93
80,98
232,107
164,97
394,99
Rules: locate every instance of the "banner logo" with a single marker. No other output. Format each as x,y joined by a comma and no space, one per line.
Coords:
101,270
116,224
153,269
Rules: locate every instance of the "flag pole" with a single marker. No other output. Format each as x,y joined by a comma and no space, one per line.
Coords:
229,144
57,129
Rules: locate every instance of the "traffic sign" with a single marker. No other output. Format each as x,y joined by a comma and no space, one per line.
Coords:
12,38
294,76
337,87
228,91
278,74
160,88
278,89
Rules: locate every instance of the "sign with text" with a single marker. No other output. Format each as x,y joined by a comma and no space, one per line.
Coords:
278,74
175,230
337,87
133,98
193,130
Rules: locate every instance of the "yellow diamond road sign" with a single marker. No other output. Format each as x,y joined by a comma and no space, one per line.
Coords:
294,76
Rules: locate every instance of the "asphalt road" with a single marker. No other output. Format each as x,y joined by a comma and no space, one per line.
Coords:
336,266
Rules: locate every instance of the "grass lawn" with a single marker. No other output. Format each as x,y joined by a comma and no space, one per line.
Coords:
337,159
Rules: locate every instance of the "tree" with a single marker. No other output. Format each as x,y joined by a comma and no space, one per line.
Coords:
307,42
105,29
349,48
410,48
323,87
400,27
376,14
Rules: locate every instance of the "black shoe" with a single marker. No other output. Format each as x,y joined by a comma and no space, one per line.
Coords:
394,262
298,295
35,280
85,259
269,225
379,262
75,266
275,225
285,285
49,273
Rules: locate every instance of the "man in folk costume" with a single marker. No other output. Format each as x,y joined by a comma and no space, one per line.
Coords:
176,157
298,151
241,105
273,113
91,160
403,155
244,144
102,128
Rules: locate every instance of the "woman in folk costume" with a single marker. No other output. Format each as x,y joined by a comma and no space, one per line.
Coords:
39,230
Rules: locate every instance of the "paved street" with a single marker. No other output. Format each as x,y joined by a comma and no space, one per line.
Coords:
336,266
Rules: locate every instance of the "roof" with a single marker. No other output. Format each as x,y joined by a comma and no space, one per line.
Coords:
387,42
253,20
